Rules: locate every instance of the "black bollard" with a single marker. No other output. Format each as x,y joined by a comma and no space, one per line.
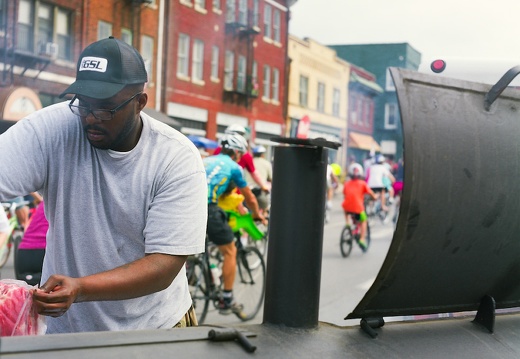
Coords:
296,233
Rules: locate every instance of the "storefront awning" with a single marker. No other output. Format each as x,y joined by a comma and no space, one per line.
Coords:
363,142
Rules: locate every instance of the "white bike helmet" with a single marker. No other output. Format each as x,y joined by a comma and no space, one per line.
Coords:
355,170
241,130
234,141
380,159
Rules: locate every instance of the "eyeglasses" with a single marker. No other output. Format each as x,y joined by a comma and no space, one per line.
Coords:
98,113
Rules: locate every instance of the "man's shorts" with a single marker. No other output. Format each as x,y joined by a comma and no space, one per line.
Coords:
377,189
361,217
219,231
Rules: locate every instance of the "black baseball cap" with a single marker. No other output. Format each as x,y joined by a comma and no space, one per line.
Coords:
105,67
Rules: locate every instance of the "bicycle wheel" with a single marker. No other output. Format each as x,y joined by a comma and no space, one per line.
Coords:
345,242
199,284
249,287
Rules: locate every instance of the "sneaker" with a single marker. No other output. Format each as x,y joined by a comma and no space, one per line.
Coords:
229,306
363,245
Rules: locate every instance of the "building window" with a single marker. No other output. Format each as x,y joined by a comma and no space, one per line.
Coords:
276,26
216,5
228,70
127,36
182,55
241,74
320,106
51,36
267,21
230,11
367,111
390,116
267,82
197,61
254,79
242,12
104,29
201,4
3,4
256,13
63,34
45,24
335,102
147,54
214,62
389,81
304,91
353,109
276,85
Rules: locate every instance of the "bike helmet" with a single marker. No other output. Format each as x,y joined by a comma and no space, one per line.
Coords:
235,142
380,159
259,149
241,130
355,170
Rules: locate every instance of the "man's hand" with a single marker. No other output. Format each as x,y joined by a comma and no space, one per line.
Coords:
56,296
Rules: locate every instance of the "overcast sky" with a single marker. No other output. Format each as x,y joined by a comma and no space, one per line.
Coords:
484,32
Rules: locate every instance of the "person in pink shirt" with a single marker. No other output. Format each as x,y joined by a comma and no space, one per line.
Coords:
246,161
31,250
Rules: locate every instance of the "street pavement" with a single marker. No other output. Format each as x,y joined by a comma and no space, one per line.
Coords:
344,281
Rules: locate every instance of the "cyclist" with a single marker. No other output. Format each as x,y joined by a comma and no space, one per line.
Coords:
221,169
246,161
31,251
376,179
354,191
264,168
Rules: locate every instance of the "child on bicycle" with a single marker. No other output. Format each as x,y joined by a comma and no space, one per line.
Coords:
354,191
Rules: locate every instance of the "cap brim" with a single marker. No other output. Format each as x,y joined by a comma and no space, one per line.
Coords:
93,89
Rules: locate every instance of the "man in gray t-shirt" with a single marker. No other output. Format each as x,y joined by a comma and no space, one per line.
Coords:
125,197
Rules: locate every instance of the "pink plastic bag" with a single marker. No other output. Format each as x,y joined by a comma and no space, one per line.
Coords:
17,316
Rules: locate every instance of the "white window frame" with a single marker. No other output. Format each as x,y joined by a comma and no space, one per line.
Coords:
268,21
197,62
389,85
391,115
241,74
256,14
336,99
254,79
276,85
304,91
242,12
183,53
127,36
229,66
215,51
276,25
104,30
320,100
230,11
147,47
267,83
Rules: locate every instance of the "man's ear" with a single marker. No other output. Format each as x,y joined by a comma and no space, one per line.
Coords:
143,99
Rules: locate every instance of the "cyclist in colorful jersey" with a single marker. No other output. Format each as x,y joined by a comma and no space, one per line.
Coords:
223,171
354,192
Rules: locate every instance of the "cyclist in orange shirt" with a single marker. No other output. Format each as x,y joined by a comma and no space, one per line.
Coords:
354,191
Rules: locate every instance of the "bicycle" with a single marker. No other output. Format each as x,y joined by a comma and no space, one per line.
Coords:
349,234
373,208
252,233
15,233
205,284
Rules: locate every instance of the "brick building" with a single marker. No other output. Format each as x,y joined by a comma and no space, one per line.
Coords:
226,64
